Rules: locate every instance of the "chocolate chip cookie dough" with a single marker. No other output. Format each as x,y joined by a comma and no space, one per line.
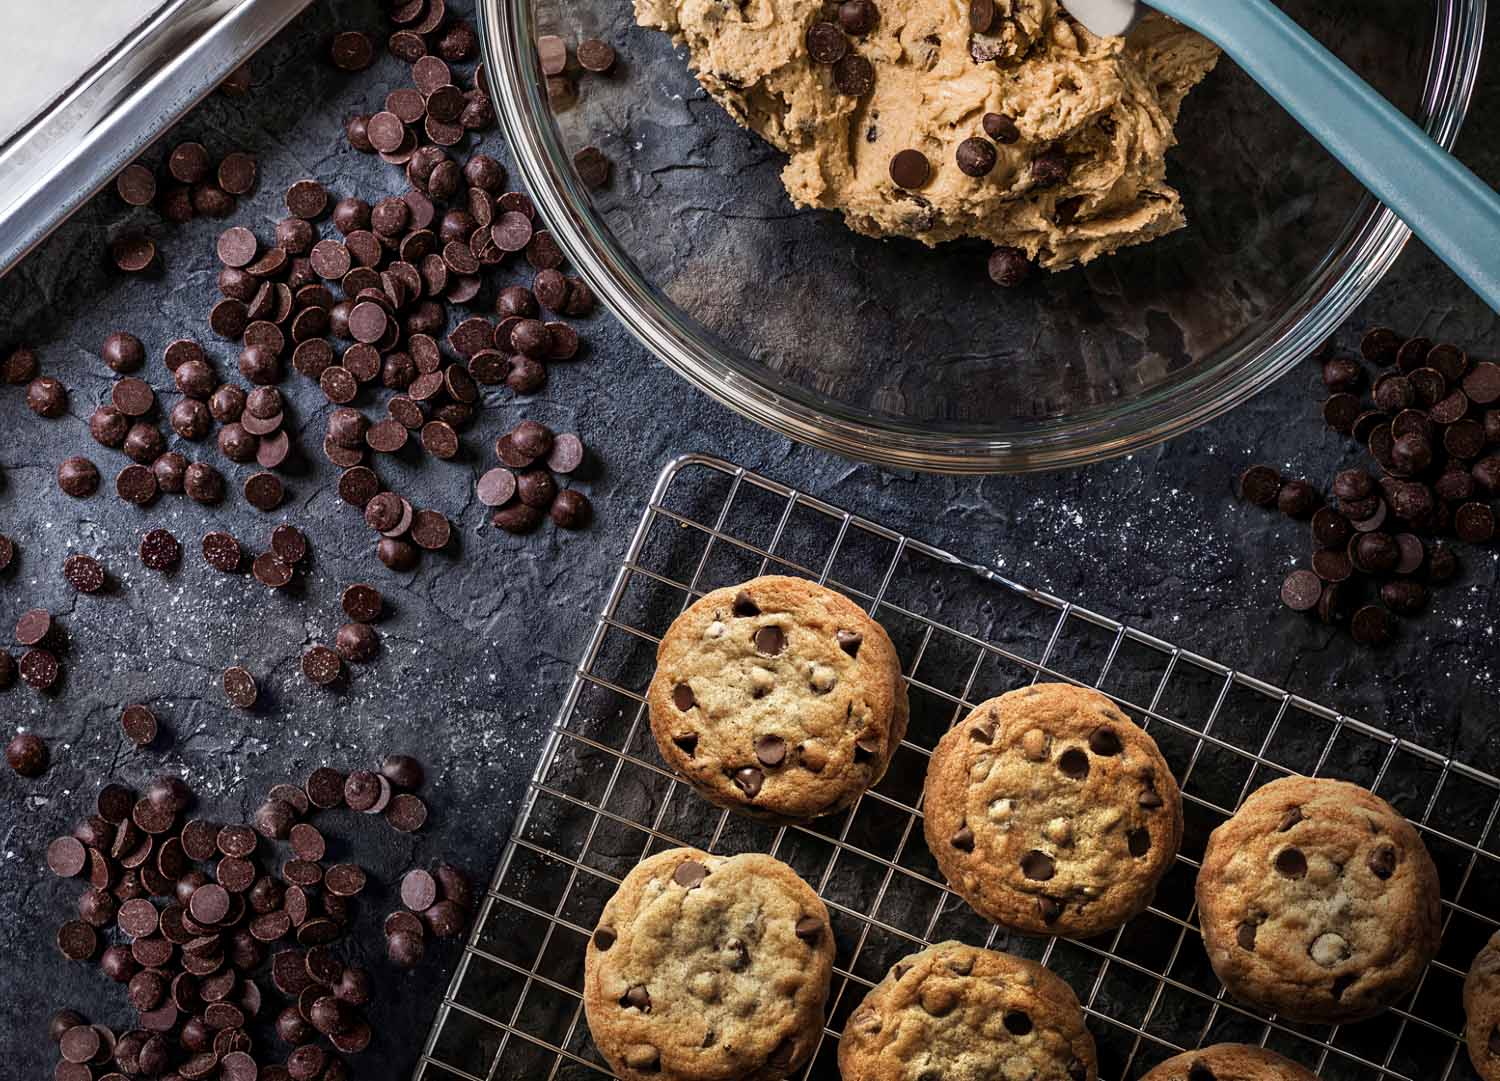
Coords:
778,698
1050,812
1230,1062
709,967
1482,1007
1319,901
957,1011
999,119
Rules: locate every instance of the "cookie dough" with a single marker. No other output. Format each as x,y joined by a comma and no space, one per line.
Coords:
959,1012
1230,1062
1482,1010
1319,901
778,698
1050,812
709,968
1080,130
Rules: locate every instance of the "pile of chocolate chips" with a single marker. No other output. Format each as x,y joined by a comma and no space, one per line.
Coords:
595,56
251,429
1432,426
524,489
42,637
195,186
397,262
203,951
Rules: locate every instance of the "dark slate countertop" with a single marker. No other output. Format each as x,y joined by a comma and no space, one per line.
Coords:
482,638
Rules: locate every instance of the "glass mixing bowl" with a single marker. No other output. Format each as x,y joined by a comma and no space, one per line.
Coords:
886,351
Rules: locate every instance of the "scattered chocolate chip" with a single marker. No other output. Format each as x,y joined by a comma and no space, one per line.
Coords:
1008,266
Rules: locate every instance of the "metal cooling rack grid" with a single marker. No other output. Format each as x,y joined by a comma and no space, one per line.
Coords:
600,801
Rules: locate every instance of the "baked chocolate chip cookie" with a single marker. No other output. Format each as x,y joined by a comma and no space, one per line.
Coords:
779,698
1230,1062
1319,901
708,967
1050,812
957,1011
1482,1005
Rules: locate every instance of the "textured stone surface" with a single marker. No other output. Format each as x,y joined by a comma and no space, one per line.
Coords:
481,639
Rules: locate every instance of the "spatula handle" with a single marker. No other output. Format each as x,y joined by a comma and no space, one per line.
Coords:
1454,212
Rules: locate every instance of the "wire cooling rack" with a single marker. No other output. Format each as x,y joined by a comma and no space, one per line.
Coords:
601,800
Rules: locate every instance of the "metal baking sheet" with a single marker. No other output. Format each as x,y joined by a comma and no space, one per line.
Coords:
96,83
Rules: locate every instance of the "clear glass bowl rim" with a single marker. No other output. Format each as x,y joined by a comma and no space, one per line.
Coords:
1359,258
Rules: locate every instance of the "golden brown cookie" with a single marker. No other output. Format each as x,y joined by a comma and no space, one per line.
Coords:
1482,1007
708,967
956,1011
1050,812
1230,1062
779,698
1319,901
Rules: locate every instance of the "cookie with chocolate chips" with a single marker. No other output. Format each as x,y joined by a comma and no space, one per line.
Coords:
1482,1005
1230,1062
709,967
1319,901
957,1011
1051,812
778,698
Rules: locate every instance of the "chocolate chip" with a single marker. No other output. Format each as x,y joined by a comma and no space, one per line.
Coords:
571,509
239,687
749,781
593,169
981,15
1380,346
1104,742
1049,167
1073,763
1382,861
1474,523
976,157
1298,499
854,76
46,397
1260,485
770,641
638,997
1139,842
1008,267
1000,128
322,666
1291,863
910,169
133,253
595,55
139,725
78,477
1371,625
689,874
744,605
826,43
1038,866
963,840
1301,590
1404,598
356,643
770,750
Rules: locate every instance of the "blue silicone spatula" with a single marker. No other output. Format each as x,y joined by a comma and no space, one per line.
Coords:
1455,213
